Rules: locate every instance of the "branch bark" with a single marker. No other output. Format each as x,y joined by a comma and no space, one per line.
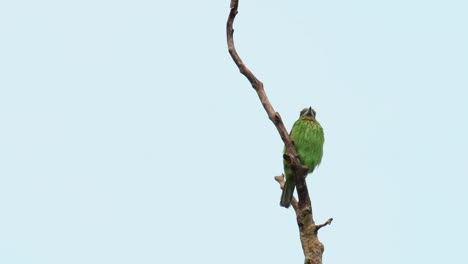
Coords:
312,247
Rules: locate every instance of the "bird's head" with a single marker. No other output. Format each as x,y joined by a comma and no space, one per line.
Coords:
308,112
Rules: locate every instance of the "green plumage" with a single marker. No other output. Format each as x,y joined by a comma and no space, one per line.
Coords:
308,138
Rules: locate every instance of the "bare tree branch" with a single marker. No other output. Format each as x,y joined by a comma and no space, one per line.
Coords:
312,247
299,170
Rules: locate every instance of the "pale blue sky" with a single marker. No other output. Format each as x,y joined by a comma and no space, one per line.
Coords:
128,135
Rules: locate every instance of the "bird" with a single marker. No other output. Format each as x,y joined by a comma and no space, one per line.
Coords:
308,138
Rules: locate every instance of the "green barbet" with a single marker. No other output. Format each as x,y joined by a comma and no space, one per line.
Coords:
307,135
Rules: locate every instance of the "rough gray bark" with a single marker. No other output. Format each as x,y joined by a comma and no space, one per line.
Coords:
311,246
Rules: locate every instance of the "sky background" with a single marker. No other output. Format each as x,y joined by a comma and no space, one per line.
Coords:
127,134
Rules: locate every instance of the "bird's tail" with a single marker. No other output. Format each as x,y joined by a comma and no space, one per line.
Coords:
287,194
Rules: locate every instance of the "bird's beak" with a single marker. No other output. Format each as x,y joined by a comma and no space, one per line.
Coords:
309,112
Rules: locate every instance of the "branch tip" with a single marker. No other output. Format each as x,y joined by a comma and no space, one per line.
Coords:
328,222
280,180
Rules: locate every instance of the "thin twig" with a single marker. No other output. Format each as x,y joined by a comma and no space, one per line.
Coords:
328,222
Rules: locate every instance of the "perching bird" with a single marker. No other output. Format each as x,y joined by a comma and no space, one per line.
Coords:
307,135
